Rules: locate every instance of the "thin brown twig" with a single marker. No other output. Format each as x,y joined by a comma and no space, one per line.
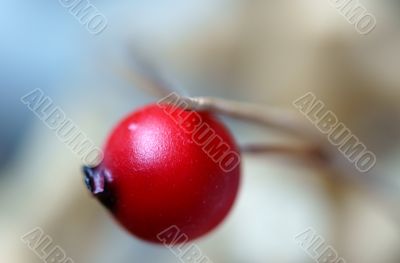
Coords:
296,150
145,79
285,121
272,117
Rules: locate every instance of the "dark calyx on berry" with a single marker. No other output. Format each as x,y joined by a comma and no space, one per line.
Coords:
98,180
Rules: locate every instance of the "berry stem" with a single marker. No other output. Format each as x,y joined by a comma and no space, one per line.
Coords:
333,165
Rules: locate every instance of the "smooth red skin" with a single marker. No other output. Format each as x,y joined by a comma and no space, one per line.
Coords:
161,178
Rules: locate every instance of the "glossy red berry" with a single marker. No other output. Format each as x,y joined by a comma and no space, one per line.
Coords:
166,167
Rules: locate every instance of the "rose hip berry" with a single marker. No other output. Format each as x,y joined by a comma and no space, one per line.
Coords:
166,166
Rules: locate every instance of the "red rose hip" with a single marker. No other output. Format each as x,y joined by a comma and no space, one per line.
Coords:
165,167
